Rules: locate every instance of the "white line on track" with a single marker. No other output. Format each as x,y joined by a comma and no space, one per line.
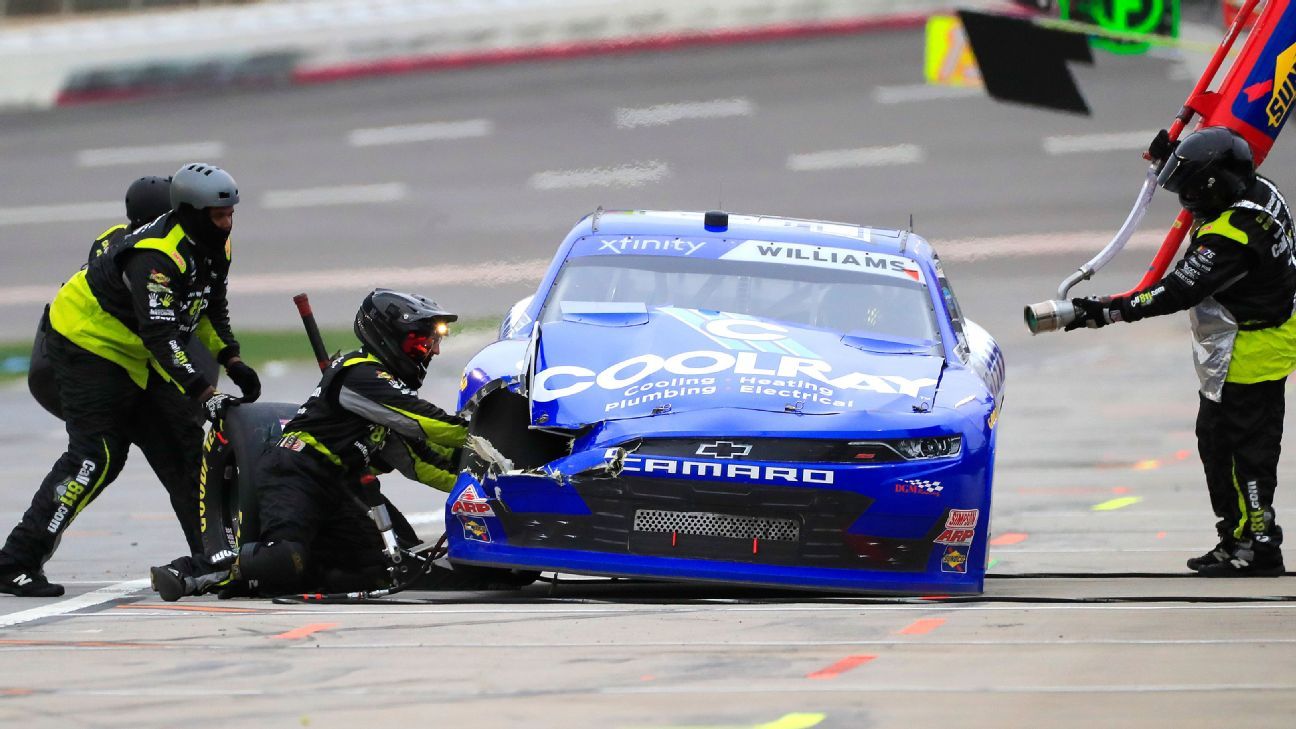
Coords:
429,517
80,602
662,114
430,132
773,686
716,606
632,174
181,153
1089,143
923,92
484,275
839,159
342,195
74,212
976,687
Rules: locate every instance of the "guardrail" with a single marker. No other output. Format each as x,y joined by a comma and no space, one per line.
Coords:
78,60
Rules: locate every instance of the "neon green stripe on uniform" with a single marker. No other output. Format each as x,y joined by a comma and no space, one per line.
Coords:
1223,226
1242,505
167,245
98,484
435,431
309,440
1261,355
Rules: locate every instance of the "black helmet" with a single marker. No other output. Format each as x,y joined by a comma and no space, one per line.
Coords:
396,328
1210,169
146,199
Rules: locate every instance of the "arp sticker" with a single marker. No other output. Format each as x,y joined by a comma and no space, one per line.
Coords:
955,559
470,504
475,530
960,528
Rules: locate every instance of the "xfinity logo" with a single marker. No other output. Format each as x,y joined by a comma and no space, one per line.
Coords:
724,449
711,469
634,245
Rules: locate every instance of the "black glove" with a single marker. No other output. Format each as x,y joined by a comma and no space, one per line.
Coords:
217,405
1093,313
1160,149
246,379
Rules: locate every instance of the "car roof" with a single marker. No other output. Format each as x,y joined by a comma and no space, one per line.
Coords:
756,227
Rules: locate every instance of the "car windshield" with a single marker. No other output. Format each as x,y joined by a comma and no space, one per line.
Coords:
847,301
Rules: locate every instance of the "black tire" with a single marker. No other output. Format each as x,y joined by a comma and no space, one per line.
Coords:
228,484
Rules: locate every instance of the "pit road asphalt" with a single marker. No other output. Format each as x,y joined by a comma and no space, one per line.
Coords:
439,178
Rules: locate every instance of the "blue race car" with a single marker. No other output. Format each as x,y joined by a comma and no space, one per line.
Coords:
734,399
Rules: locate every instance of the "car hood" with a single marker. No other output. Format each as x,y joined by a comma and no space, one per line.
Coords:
589,368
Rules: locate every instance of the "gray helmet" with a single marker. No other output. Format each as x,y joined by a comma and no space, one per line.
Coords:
201,186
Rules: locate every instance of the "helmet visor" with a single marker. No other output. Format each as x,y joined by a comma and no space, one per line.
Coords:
1173,174
421,345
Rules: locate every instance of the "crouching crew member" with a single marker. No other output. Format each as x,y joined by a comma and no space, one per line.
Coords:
365,416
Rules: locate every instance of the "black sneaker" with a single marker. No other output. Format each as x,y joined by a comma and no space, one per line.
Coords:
28,584
1219,554
1247,563
168,583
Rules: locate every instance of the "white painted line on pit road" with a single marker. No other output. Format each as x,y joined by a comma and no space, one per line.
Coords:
108,212
343,195
427,517
489,273
430,132
483,275
663,114
632,174
1088,143
179,153
839,159
80,602
923,92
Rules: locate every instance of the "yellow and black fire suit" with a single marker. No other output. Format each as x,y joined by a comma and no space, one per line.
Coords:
118,329
1238,277
359,420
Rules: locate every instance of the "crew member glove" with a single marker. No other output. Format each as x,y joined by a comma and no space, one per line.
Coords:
217,404
246,379
1093,313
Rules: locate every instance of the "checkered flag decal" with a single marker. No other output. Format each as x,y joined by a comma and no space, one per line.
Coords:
931,487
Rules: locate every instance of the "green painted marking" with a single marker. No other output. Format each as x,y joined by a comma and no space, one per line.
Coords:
993,562
1120,503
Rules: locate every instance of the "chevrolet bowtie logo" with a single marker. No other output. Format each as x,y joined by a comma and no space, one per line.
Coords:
724,449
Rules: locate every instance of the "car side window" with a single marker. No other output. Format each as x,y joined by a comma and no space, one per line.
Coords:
955,313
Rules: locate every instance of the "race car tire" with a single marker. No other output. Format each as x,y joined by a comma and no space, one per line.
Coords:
228,478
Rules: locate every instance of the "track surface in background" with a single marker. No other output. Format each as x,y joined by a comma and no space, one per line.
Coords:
451,175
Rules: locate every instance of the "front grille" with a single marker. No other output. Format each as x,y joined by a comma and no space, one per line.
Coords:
701,523
734,522
785,450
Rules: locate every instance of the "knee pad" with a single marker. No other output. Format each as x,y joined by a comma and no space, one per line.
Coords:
272,567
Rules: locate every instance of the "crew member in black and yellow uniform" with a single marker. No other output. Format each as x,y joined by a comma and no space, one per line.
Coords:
146,199
117,339
365,416
1238,277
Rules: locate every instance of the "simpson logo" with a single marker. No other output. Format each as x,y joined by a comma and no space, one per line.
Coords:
955,559
470,504
475,530
962,518
716,470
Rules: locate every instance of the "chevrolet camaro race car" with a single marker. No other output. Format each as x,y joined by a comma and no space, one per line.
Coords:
734,399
